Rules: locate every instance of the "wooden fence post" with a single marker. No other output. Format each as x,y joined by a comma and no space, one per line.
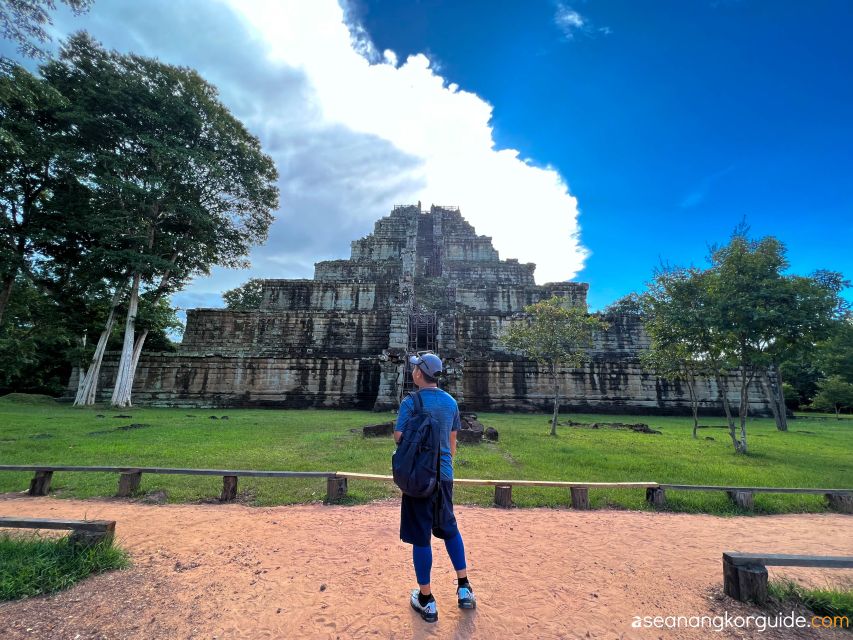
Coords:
336,488
84,538
40,484
580,497
229,489
743,499
745,582
503,496
656,496
128,483
840,502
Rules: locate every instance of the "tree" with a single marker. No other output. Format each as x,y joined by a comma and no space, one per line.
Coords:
35,342
24,22
32,139
835,354
247,297
836,394
169,166
676,362
628,305
750,302
741,315
684,342
808,308
555,336
792,396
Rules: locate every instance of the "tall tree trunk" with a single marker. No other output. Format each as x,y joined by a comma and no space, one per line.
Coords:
127,385
137,351
743,410
690,380
124,377
80,366
5,293
770,396
779,399
556,400
723,390
87,391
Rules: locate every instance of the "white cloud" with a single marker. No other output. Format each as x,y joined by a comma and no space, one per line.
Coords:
527,209
570,23
568,20
352,130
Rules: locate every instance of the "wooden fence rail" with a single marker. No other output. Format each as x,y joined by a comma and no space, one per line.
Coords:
85,532
337,484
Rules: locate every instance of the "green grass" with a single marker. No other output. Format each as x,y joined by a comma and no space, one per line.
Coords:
813,453
824,602
31,566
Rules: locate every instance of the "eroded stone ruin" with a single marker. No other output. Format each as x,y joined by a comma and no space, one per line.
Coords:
423,280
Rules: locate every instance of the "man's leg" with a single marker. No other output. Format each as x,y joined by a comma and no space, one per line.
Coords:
422,557
464,593
422,600
456,551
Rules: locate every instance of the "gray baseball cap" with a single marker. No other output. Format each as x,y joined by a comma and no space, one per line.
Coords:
429,363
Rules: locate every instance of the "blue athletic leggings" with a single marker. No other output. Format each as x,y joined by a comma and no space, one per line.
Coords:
422,557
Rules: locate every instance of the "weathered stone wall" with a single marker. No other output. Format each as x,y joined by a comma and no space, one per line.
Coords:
508,299
388,238
613,381
508,272
325,295
384,271
602,386
186,380
280,333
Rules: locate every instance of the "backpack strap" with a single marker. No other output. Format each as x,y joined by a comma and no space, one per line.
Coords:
418,402
436,435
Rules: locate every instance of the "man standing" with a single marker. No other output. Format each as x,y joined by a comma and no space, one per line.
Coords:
421,517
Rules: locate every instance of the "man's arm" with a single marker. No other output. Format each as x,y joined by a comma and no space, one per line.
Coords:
456,426
402,417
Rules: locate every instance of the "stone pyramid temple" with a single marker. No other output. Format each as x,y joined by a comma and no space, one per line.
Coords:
423,280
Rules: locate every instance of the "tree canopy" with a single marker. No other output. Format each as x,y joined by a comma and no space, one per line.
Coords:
121,178
738,319
246,297
25,22
555,335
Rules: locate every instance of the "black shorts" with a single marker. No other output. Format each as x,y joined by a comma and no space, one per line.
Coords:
421,516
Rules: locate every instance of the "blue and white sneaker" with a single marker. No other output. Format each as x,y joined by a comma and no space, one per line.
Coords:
429,611
465,597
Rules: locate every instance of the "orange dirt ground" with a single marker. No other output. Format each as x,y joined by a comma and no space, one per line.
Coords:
315,571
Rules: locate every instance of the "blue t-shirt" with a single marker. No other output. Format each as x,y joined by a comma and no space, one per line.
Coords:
444,411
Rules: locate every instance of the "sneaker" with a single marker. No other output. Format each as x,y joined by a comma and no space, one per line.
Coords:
429,611
465,597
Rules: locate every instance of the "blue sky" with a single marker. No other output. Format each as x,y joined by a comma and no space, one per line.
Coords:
669,120
595,138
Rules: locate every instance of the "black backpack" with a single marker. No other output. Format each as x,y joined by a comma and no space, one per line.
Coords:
416,461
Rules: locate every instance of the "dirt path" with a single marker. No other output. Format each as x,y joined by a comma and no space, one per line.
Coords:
314,571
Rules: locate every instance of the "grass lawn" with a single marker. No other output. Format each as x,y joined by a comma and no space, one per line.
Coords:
816,452
31,566
830,601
